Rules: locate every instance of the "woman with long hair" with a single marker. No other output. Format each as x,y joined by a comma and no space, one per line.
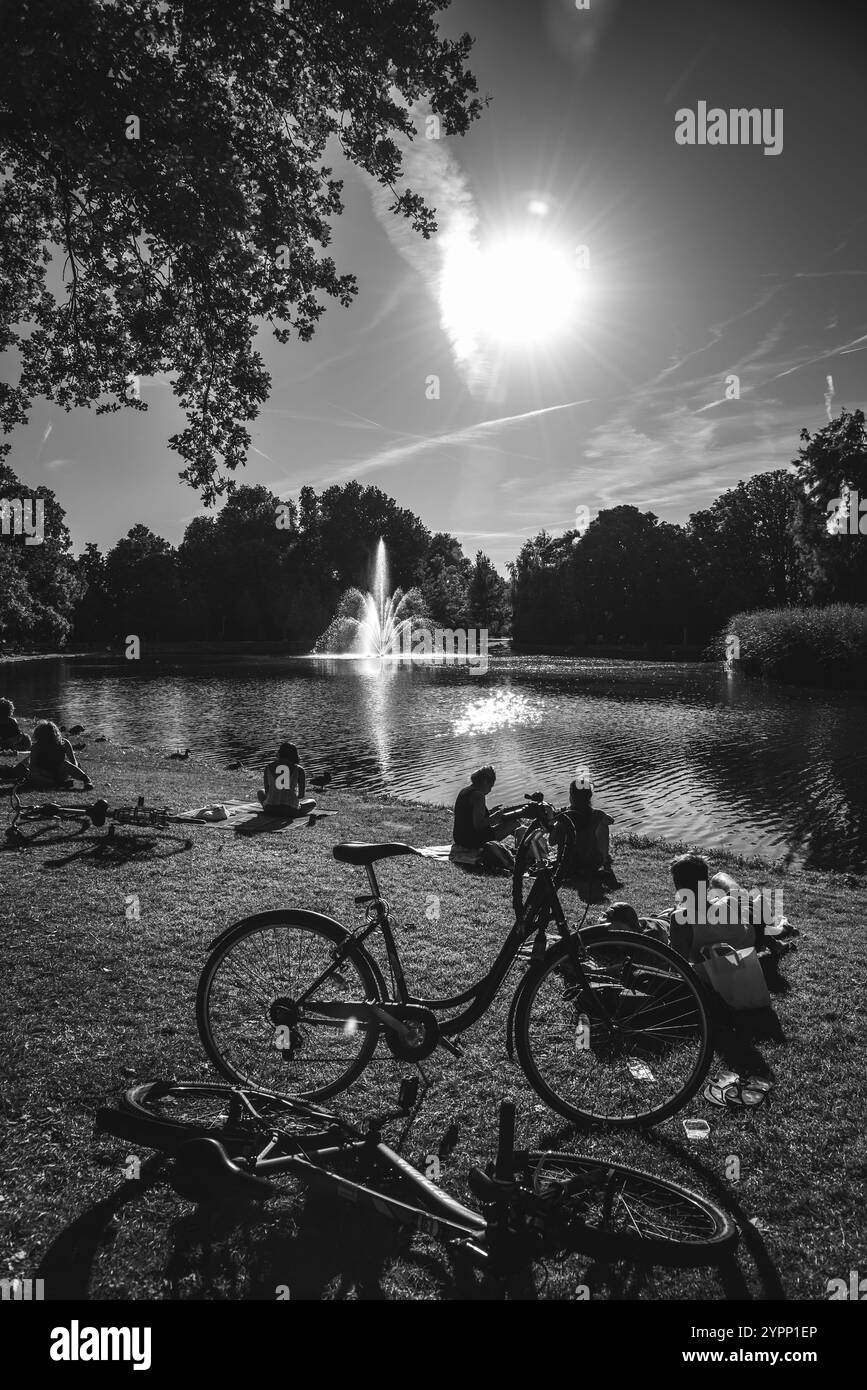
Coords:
52,761
285,785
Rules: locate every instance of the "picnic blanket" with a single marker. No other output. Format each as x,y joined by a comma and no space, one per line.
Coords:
243,818
452,853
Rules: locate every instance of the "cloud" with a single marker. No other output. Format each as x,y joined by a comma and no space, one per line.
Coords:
432,170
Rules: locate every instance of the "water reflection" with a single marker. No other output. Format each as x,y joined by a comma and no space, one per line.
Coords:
504,709
687,752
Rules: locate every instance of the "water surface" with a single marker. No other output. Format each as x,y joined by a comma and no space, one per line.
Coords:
684,751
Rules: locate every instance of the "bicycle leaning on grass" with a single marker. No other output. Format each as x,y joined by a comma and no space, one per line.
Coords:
609,1026
232,1143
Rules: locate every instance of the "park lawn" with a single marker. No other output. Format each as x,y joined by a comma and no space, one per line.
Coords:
93,1002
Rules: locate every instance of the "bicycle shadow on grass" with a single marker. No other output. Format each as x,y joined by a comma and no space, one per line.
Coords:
327,1250
319,1250
110,851
107,850
67,1264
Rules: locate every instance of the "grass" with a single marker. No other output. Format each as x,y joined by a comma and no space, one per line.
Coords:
96,1001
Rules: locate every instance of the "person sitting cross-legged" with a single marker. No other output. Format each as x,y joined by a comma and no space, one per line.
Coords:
285,785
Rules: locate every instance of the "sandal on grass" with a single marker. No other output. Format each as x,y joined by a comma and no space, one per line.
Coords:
729,1091
746,1095
715,1090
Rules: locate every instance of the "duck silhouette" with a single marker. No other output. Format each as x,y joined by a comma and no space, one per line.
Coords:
321,782
76,729
179,756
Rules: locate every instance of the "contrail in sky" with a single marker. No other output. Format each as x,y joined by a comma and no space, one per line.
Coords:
469,434
829,396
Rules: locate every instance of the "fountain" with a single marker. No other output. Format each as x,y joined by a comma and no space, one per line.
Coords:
376,624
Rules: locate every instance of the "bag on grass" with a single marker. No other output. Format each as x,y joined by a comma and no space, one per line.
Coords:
493,855
737,976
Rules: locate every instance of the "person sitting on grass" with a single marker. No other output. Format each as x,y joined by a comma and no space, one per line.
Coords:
10,731
592,852
52,761
695,893
285,785
474,825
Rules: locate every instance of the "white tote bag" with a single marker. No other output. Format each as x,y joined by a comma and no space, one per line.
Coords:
736,976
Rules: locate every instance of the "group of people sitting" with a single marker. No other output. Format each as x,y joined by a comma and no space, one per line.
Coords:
49,762
708,908
49,759
478,832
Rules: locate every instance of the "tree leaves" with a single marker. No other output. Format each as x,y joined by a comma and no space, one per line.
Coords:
169,241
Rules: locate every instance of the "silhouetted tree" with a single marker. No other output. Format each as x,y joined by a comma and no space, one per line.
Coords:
487,597
39,585
445,582
832,467
174,153
141,575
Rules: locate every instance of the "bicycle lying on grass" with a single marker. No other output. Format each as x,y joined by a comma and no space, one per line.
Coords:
609,1026
96,814
232,1142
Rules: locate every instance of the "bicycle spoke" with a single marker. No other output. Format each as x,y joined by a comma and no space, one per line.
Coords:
254,1024
622,1045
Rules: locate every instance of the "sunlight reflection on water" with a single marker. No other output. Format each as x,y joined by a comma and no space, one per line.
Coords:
504,709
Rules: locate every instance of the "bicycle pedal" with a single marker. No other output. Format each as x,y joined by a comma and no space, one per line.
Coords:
408,1093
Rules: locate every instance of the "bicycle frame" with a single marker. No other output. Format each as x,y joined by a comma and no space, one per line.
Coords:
441,1227
543,905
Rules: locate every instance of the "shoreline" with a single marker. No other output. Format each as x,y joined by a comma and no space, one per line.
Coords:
149,765
178,654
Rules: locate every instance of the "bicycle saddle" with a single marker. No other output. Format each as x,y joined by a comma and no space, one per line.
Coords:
204,1171
363,854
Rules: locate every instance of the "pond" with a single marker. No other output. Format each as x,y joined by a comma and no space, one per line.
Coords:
684,751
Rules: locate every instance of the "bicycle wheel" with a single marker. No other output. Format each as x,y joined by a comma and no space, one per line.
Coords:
609,1210
248,1019
168,1114
627,1046
551,848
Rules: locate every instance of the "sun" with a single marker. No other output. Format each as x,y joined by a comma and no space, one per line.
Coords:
522,291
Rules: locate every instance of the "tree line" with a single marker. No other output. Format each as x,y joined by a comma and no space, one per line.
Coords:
783,539
260,570
264,569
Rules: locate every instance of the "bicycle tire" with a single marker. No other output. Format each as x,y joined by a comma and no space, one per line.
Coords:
166,1115
618,1048
275,1070
697,1231
561,840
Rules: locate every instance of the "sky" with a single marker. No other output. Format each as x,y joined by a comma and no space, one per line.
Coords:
703,263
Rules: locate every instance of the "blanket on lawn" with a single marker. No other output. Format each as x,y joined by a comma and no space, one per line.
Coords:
245,818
